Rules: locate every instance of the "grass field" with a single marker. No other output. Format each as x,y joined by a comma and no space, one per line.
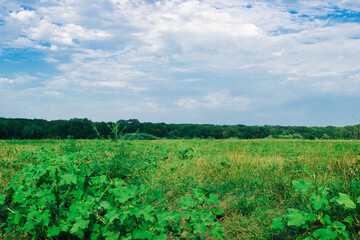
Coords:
254,180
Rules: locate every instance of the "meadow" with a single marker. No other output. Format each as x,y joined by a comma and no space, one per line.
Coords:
180,189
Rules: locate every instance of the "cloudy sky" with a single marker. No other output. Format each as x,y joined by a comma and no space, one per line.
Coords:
253,62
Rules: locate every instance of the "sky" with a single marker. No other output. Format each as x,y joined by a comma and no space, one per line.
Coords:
252,62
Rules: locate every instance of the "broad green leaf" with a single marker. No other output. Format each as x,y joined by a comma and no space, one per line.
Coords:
318,202
123,194
105,204
111,216
29,225
111,235
142,234
187,202
65,226
118,182
53,231
44,217
332,234
44,198
323,190
96,227
217,211
302,186
164,216
200,228
16,218
278,224
73,213
217,231
311,217
345,200
295,218
78,225
197,193
79,233
326,219
94,236
340,228
19,194
161,236
338,225
123,216
147,212
99,180
213,199
195,216
68,178
2,199
322,234
349,219
358,200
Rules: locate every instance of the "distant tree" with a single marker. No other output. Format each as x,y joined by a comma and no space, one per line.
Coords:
80,128
4,129
229,132
33,131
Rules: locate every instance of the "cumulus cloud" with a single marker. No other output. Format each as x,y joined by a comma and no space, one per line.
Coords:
23,16
267,51
34,25
67,34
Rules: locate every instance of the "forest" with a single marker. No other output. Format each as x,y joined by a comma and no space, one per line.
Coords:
83,128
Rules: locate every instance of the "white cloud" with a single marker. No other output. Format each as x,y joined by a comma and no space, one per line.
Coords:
191,25
21,42
23,16
6,80
193,80
20,78
217,100
66,34
140,47
97,69
290,80
35,25
53,93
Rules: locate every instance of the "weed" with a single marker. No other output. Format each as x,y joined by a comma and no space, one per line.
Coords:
328,217
65,198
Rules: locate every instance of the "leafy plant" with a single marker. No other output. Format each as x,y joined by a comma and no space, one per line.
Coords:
328,218
64,198
200,216
186,153
115,130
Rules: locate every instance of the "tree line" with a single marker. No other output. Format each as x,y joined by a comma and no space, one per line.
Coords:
76,128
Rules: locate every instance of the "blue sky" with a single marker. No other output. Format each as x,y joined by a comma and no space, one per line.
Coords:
247,62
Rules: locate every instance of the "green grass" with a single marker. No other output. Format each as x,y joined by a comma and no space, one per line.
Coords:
252,178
